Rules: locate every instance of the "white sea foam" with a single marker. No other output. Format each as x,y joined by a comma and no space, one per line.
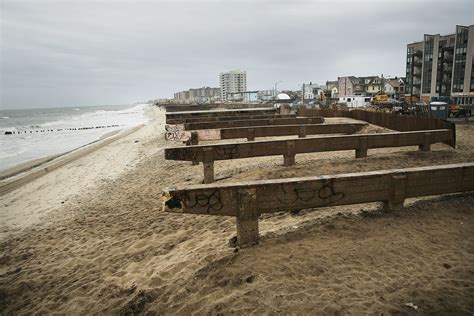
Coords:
64,132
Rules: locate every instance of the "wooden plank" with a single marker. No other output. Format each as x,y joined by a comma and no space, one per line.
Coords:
401,123
226,118
304,145
236,112
288,130
252,122
312,192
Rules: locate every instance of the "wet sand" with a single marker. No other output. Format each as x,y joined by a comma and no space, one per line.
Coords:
90,237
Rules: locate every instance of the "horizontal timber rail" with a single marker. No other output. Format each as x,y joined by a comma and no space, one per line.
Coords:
247,200
207,154
401,123
239,112
287,130
227,118
253,122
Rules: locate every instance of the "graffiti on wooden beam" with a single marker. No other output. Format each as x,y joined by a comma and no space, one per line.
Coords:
211,202
326,194
186,154
174,132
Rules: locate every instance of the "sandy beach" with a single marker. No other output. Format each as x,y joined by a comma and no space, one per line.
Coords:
90,237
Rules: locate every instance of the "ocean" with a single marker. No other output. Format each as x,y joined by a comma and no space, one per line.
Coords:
36,133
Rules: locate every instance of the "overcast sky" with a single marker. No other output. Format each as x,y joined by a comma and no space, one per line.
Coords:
76,53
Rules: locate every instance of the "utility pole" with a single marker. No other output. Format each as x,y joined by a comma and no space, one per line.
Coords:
302,95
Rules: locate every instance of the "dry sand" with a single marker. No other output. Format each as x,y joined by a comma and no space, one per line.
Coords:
110,249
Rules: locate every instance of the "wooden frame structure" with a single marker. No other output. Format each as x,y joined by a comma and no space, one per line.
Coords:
226,118
247,200
253,123
289,130
216,113
288,148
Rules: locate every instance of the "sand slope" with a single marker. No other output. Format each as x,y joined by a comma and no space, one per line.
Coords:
112,250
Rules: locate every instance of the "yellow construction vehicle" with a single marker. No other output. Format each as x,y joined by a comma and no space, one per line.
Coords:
381,99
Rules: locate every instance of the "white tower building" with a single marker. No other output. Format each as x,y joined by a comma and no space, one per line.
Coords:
232,82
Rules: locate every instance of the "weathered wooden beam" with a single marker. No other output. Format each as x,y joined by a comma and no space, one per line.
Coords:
289,148
288,130
247,200
253,122
226,118
359,142
212,113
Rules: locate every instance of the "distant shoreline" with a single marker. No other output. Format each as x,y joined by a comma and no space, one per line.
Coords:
14,177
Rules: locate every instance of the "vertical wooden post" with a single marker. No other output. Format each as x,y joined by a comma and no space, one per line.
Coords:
250,134
194,140
426,146
289,156
302,131
361,152
398,193
208,165
247,218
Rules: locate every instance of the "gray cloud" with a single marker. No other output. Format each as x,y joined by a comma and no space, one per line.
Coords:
70,53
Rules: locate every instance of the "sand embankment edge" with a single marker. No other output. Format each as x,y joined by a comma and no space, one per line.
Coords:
43,166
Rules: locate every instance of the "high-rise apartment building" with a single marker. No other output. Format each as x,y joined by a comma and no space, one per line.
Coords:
442,65
232,82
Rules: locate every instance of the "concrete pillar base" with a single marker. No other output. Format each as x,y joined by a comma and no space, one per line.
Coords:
398,193
302,132
361,152
251,135
426,146
247,218
247,232
208,165
208,172
288,160
289,156
194,140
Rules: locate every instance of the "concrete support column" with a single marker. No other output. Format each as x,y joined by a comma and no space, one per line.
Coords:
251,134
302,132
361,152
398,193
247,218
426,146
289,156
208,165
